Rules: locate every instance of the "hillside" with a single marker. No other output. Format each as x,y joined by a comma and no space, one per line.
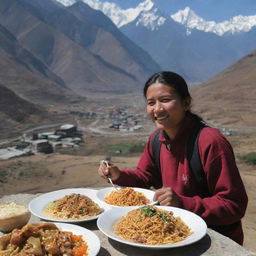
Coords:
17,113
27,76
87,54
229,98
11,46
28,89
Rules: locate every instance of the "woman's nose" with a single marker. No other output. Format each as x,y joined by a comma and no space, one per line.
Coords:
158,107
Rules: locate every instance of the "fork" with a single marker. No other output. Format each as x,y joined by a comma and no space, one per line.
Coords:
105,162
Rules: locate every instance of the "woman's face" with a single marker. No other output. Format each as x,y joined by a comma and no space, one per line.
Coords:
165,107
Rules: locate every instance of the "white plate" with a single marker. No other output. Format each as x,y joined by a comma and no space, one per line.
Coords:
37,205
89,237
198,226
102,193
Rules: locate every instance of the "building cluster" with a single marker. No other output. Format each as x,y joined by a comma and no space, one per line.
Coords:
124,120
119,118
66,135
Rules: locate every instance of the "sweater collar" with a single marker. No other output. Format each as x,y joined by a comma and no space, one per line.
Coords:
187,125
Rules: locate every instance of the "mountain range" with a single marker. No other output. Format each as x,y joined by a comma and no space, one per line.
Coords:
53,57
180,39
79,45
208,9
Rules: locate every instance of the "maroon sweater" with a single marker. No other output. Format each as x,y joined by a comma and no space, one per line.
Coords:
225,206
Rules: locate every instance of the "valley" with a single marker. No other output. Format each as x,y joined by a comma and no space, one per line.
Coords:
77,166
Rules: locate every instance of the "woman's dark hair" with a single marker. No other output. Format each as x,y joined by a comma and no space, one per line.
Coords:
170,79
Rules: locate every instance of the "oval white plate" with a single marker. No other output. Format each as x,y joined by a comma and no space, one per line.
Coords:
102,193
89,237
37,205
198,226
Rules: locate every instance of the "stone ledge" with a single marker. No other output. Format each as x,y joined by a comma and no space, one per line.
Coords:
213,244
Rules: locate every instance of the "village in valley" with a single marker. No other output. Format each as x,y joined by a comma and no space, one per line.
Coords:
71,135
66,135
112,121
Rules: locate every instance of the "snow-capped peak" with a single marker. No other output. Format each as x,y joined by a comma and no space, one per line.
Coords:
185,16
66,2
239,23
151,19
118,16
145,12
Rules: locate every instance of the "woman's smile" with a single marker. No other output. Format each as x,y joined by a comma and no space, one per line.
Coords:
161,117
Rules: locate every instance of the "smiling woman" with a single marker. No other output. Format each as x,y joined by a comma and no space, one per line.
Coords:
221,199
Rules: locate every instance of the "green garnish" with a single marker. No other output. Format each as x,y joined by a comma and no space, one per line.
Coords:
165,217
81,210
148,211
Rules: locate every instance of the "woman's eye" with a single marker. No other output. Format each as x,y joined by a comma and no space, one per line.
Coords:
150,103
165,99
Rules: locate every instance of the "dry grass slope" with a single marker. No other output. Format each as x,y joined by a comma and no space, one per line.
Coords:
229,98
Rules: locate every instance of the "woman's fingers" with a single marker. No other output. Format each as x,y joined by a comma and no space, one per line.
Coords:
165,202
166,196
161,193
103,170
158,193
108,170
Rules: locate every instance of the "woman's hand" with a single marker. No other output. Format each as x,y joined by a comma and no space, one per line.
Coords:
167,197
108,170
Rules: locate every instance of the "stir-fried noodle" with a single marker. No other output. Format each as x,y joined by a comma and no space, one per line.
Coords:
126,197
73,206
152,226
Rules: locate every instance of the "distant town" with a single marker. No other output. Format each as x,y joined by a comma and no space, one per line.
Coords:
68,135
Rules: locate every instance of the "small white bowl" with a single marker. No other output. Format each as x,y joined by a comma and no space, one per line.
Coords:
149,194
13,216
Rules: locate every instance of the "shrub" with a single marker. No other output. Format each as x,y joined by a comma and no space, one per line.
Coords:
3,175
125,148
249,158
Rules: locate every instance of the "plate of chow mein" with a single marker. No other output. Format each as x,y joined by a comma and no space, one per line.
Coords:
154,227
68,205
126,196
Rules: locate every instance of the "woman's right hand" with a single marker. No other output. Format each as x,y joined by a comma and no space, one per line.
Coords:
166,196
108,170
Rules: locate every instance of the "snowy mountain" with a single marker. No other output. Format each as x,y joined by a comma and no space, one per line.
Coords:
186,17
119,16
237,24
180,36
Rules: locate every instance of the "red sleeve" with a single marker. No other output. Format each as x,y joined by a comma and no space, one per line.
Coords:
229,199
146,173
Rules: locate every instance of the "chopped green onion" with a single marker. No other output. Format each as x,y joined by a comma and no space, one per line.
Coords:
165,218
148,211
